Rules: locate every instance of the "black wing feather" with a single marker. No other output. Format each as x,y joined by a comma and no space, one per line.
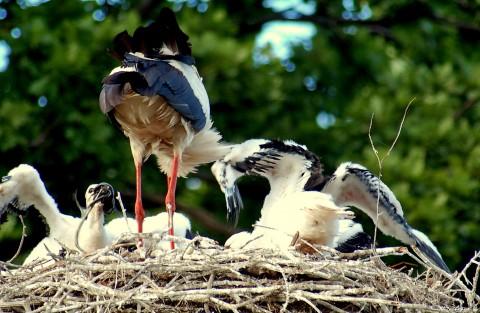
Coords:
149,40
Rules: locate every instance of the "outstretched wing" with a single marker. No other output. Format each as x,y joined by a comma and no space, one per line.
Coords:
354,185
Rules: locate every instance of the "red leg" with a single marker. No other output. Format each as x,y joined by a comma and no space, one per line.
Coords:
170,198
139,211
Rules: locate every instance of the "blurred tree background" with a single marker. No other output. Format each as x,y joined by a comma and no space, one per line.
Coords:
311,71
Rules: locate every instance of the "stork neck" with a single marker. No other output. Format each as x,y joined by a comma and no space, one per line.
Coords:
289,175
93,235
46,205
281,186
96,218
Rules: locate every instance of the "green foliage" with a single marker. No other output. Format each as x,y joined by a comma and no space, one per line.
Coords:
405,50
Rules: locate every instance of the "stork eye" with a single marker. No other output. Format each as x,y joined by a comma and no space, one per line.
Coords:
91,190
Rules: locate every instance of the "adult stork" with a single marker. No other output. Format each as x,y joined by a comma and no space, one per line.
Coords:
23,188
292,169
158,99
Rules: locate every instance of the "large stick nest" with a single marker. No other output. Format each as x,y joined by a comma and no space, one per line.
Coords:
205,277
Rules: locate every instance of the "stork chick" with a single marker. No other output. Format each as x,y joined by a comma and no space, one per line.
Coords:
153,224
24,188
288,208
354,185
290,168
312,216
158,99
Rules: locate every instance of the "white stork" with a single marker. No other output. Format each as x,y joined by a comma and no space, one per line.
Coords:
23,188
293,171
158,99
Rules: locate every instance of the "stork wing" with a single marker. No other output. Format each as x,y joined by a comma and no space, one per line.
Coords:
351,237
160,37
177,81
354,185
157,61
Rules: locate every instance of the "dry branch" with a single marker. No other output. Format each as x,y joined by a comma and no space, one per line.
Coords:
206,277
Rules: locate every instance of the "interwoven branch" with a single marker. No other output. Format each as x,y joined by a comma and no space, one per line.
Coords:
206,277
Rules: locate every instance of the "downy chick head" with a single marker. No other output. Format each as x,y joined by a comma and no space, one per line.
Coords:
100,199
20,188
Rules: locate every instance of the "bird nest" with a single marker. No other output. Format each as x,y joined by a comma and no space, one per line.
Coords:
205,277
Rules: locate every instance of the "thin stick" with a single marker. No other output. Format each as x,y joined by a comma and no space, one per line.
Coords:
463,272
399,129
77,232
287,293
124,212
251,240
309,303
471,296
20,245
375,151
381,160
260,280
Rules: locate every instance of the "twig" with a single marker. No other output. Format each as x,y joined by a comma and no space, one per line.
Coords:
124,211
473,292
20,245
287,293
375,151
310,303
399,130
77,232
381,160
211,278
463,272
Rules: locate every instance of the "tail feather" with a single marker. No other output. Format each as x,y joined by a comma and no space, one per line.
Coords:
351,237
206,147
122,43
429,250
360,241
150,40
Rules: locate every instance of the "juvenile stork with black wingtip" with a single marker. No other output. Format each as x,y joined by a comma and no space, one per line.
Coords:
291,206
158,99
291,168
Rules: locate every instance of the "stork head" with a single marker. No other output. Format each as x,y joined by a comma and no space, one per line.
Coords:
226,176
270,159
240,161
20,188
101,193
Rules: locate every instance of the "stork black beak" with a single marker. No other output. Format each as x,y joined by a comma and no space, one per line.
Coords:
105,194
6,178
234,203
